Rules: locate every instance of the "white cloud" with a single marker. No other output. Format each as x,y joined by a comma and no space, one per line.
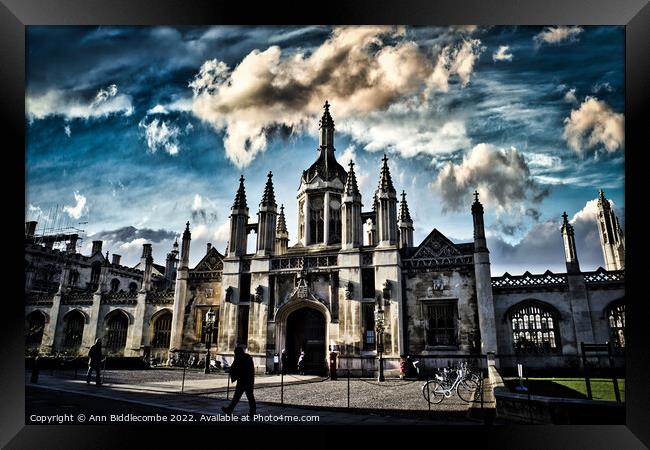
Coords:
594,124
355,69
158,109
181,104
197,202
134,245
456,60
556,35
349,154
570,96
502,54
407,128
222,234
67,130
161,135
501,176
79,209
69,104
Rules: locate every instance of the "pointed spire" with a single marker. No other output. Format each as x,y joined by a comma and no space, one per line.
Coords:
385,181
268,199
404,214
477,207
351,187
282,224
326,121
565,224
601,198
240,198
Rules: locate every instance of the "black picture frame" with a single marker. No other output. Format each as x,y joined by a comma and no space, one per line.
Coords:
634,14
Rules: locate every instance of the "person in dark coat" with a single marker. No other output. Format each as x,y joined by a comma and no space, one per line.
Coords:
242,371
95,361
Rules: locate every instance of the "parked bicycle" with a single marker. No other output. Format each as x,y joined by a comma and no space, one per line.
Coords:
446,382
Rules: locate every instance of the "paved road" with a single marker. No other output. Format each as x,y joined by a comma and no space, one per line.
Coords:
67,397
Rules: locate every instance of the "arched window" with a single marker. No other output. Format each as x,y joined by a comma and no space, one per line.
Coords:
534,328
133,286
162,329
95,271
73,278
335,220
34,326
115,285
74,330
116,328
316,219
616,323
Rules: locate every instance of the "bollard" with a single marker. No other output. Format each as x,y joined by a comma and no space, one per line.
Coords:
228,389
282,388
428,396
348,388
183,382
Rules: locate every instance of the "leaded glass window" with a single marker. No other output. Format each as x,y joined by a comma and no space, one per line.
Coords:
534,329
616,322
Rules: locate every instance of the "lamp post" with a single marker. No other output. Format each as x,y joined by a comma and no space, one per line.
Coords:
209,327
379,327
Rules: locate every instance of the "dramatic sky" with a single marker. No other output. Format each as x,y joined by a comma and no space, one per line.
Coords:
132,131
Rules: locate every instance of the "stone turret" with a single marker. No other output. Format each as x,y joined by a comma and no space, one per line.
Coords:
238,222
568,237
352,227
321,188
386,205
487,325
281,234
612,239
266,220
185,248
405,224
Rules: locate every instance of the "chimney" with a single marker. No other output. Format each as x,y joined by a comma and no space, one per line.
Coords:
97,247
72,245
209,247
116,259
146,250
30,228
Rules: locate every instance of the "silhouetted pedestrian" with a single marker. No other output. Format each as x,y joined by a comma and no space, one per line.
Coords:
242,371
95,361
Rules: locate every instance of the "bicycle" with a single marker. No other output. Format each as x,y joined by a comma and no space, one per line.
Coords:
436,390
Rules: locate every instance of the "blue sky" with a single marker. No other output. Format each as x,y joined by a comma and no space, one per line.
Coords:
136,130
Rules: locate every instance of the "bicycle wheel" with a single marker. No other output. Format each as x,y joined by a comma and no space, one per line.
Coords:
429,392
467,389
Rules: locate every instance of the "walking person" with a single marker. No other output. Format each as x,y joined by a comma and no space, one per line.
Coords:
95,361
242,371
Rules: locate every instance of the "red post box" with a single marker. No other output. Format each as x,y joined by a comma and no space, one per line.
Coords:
333,365
402,368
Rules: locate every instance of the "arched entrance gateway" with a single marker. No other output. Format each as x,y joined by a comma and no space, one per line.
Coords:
306,332
303,324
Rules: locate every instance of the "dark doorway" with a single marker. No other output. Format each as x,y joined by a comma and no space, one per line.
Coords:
306,332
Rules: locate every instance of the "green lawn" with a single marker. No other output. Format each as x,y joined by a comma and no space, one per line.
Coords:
601,388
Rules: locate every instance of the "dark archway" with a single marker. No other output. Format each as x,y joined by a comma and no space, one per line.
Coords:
117,325
306,332
34,327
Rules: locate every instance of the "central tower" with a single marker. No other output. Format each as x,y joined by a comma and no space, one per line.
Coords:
320,191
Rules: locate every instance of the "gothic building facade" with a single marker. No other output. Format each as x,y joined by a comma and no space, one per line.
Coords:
335,290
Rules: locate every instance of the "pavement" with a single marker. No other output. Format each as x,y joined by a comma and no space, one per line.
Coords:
202,399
